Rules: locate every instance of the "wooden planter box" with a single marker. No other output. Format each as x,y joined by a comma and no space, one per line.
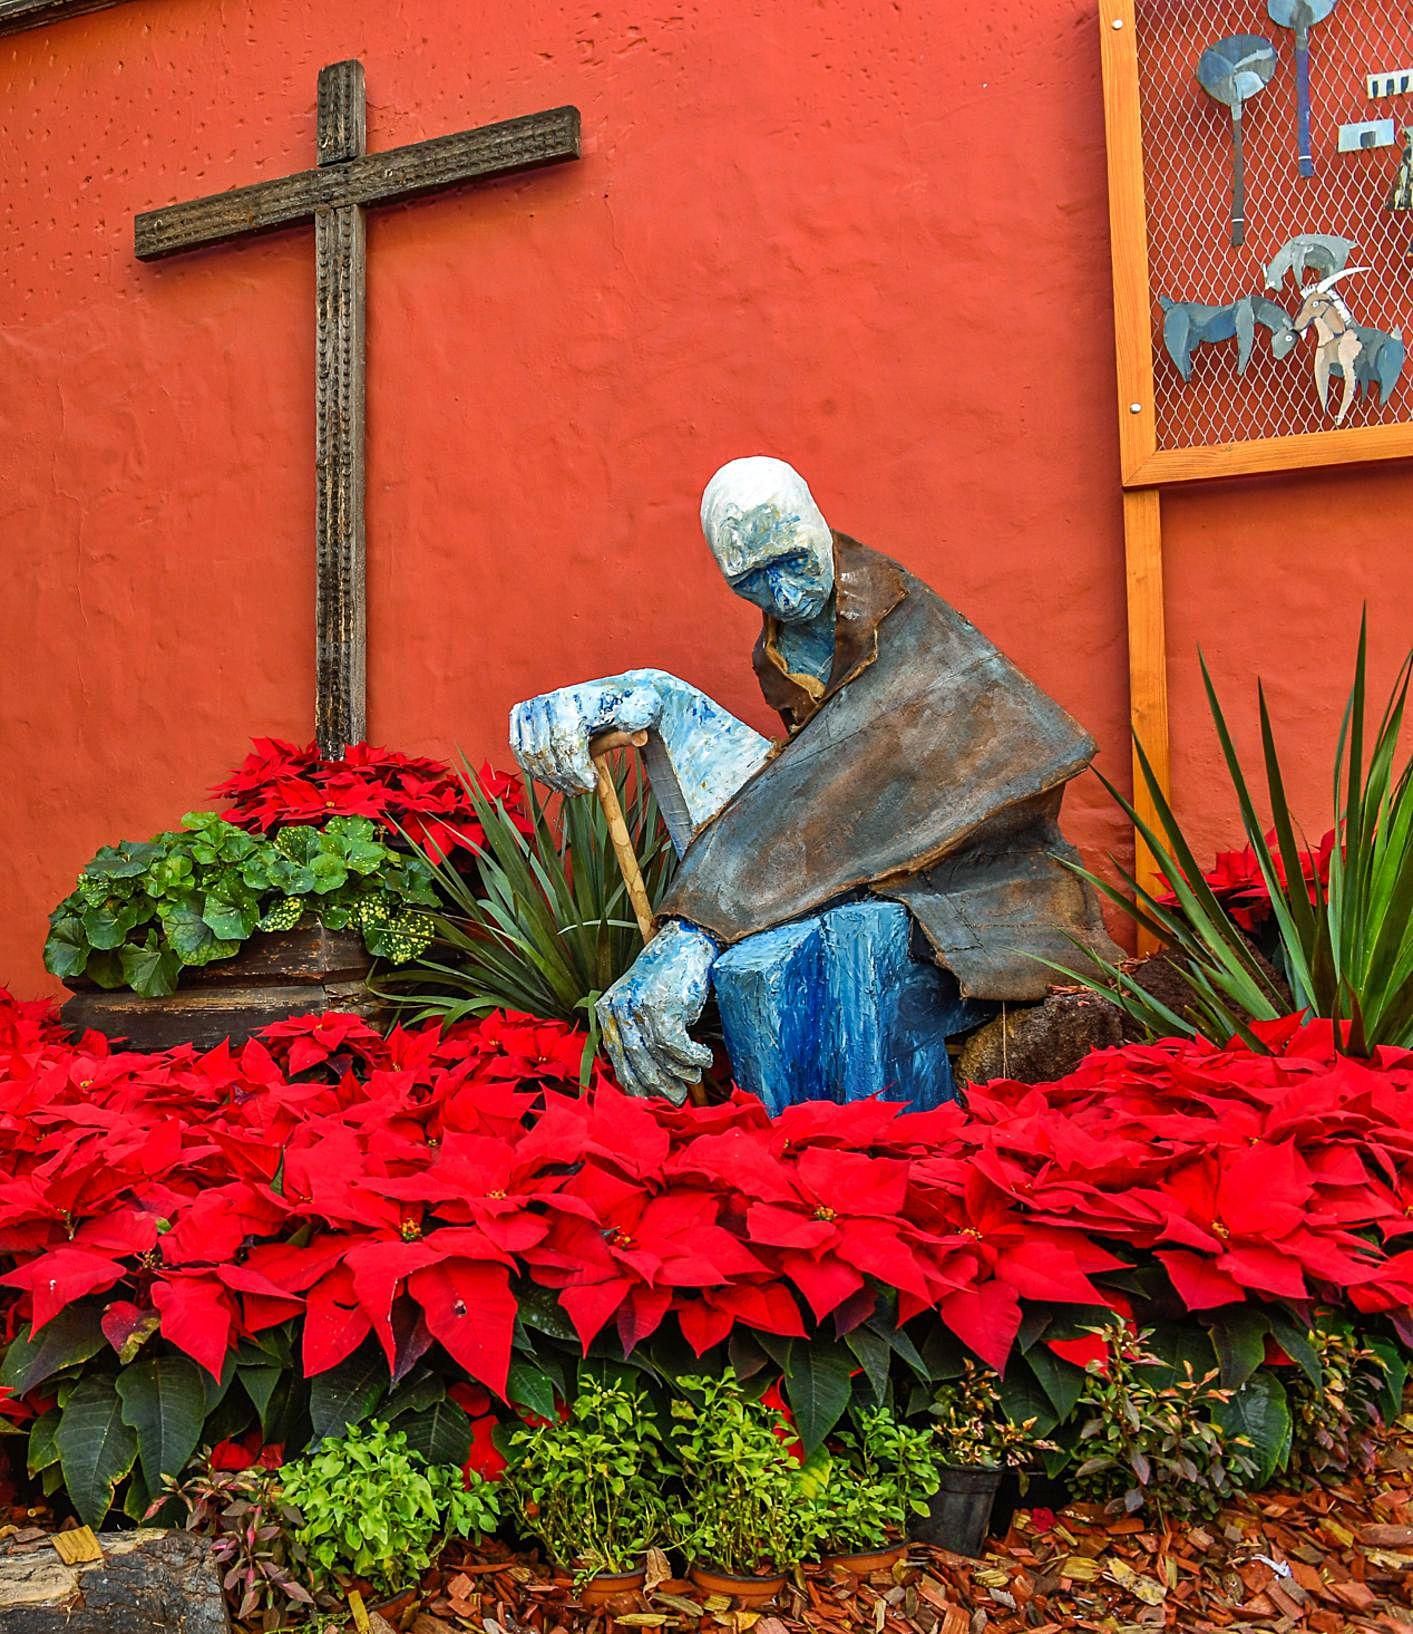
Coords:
277,974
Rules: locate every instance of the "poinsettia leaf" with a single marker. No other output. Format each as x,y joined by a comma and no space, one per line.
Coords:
1295,1339
872,1352
1061,1382
164,1400
1395,1364
43,1449
1239,1337
1260,1411
539,1309
259,1384
441,1433
73,1336
347,1394
818,1387
527,1386
1180,1345
1025,1403
423,1390
96,1447
939,1358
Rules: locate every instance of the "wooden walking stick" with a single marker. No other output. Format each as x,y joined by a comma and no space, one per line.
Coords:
623,851
627,859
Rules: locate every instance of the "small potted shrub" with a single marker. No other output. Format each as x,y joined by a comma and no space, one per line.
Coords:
590,1487
1151,1434
977,1441
745,1518
868,1487
372,1511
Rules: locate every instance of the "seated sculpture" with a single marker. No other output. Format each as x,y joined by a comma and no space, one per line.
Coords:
872,886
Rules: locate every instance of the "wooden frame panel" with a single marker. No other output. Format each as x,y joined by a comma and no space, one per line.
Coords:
1144,468
1143,463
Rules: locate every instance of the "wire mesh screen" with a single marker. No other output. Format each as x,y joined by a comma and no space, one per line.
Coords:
1188,167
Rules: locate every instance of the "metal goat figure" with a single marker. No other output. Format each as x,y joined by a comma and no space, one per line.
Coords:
1346,350
1189,324
1319,253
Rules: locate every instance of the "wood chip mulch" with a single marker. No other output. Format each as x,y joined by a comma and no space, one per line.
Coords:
1329,1559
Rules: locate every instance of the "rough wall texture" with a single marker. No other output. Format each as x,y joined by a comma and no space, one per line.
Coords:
868,237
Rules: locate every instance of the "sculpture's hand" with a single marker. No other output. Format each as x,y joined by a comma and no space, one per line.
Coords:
646,1013
550,734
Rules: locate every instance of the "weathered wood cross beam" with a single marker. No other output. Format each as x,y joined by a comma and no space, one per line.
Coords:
334,196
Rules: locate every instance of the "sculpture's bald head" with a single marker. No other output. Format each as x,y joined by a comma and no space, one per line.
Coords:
769,538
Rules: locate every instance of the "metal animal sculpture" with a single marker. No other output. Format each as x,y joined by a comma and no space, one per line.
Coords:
1344,349
1189,324
1319,253
1300,16
1233,71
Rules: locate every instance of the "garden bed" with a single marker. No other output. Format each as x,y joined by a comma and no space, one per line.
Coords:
261,1249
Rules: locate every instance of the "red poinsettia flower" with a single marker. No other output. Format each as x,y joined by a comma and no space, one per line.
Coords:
246,1453
279,784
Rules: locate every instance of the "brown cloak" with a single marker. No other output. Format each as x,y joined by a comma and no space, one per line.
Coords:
927,769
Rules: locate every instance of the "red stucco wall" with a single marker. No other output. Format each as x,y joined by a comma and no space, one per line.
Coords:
868,237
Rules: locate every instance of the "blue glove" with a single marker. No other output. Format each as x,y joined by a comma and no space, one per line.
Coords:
646,1014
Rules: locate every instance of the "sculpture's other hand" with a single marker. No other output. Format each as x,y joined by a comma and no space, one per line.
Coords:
646,1013
550,734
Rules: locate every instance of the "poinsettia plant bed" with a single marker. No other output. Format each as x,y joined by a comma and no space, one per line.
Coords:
280,784
270,1241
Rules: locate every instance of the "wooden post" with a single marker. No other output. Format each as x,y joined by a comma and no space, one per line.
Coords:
1147,663
340,622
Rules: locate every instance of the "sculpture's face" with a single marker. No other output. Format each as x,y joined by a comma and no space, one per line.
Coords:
769,538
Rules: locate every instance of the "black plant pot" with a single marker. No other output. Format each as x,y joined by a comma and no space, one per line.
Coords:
959,1512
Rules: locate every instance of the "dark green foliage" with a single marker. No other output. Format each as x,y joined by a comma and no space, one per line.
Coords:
145,910
545,925
1345,948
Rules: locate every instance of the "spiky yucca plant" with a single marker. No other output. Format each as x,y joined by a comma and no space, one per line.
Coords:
544,924
1345,948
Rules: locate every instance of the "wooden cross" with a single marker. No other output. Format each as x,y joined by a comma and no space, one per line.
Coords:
334,195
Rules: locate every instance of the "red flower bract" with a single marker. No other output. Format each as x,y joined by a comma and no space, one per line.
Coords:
410,1191
278,784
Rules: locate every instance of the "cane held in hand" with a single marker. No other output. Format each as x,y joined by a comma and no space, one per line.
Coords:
627,858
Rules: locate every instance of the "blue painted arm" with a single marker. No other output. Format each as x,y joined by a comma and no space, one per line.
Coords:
698,753
647,1012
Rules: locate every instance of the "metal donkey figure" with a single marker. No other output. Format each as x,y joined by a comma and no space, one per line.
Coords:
870,887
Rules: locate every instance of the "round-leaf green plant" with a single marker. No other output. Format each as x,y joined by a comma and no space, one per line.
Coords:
142,911
371,1508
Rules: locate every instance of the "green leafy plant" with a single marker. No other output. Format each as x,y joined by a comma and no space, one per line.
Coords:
373,1509
251,1530
1156,1432
1334,1415
973,1425
544,924
143,911
869,1483
1346,949
590,1487
745,1506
